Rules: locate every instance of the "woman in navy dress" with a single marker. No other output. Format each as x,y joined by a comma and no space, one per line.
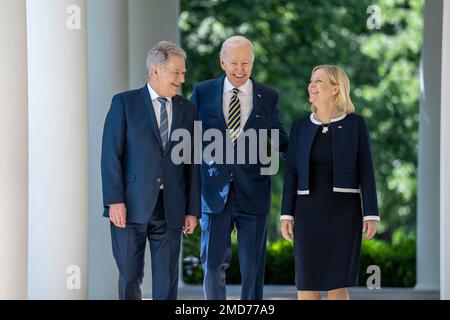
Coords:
329,189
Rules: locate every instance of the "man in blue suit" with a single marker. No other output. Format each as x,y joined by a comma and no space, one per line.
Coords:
236,194
145,194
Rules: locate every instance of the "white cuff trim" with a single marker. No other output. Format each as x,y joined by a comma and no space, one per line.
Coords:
347,190
302,192
287,217
368,218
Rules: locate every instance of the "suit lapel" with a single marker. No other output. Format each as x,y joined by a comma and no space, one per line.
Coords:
177,119
257,101
218,100
147,107
311,131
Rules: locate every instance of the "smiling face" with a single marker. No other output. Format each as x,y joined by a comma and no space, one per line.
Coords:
237,62
321,90
167,80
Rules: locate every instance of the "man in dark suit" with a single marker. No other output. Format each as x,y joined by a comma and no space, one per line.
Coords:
146,194
236,194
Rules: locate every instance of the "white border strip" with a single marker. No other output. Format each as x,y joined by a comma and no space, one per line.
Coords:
367,218
346,190
315,121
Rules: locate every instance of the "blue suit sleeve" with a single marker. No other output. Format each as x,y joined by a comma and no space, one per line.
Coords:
113,144
366,172
194,97
290,176
193,172
278,125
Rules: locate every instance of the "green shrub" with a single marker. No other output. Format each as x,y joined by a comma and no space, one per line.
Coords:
397,261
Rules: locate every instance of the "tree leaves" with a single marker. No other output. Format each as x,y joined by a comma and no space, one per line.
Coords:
290,37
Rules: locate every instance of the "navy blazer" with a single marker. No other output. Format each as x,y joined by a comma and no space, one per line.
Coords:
352,161
252,188
134,164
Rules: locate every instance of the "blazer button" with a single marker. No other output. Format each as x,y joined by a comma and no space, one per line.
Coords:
158,180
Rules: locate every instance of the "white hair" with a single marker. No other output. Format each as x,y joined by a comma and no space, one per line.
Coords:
236,42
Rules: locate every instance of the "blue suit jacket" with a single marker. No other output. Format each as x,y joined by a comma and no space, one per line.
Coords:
134,164
353,170
252,188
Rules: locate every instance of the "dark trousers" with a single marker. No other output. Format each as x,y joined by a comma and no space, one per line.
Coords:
216,250
129,250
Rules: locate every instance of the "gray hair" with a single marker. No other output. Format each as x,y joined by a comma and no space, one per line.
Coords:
236,41
160,53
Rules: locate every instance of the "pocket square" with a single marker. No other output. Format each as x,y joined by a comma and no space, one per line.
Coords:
259,115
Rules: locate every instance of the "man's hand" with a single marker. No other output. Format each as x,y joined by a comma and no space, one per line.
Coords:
118,214
287,227
189,224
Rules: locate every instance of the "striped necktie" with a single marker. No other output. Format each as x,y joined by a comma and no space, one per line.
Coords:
163,123
234,116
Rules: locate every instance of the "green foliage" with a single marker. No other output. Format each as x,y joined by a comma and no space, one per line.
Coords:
290,37
192,273
280,268
397,261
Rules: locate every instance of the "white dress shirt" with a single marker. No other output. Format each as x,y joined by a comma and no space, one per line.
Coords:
245,96
157,109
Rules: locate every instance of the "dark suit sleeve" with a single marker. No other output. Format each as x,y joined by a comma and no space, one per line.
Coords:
112,149
366,172
194,97
192,172
290,176
278,125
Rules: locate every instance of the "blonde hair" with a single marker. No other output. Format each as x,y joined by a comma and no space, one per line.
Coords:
337,76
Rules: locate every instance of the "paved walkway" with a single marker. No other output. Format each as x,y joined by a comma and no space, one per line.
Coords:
274,292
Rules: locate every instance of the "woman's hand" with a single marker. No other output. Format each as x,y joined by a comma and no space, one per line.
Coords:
286,228
370,226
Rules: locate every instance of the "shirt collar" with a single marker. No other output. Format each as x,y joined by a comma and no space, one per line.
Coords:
246,88
154,95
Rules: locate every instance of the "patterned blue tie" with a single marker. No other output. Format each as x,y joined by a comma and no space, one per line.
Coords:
164,122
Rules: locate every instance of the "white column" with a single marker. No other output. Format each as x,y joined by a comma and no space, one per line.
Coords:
150,21
13,150
429,135
445,156
108,75
58,149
